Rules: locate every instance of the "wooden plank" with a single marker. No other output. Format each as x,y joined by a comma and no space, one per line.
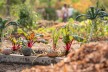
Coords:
14,58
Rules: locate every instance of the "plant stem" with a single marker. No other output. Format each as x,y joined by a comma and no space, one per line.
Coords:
92,30
68,46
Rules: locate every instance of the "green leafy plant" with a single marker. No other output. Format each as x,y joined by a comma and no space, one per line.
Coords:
55,37
4,24
25,17
50,14
30,38
93,13
68,38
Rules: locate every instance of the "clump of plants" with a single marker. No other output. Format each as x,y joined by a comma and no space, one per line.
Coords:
15,44
68,38
27,18
94,14
28,40
2,25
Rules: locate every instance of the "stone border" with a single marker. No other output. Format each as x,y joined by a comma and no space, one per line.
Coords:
20,59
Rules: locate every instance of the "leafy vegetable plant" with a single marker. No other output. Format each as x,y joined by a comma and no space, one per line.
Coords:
67,38
31,39
55,37
93,13
15,44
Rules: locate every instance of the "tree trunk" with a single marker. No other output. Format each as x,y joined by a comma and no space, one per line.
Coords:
49,3
7,7
23,1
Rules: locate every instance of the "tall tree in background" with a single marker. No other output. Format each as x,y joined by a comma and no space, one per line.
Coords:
23,1
7,7
10,3
102,3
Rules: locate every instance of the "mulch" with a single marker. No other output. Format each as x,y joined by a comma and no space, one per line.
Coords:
91,57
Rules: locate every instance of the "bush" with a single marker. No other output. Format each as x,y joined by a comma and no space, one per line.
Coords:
25,17
50,14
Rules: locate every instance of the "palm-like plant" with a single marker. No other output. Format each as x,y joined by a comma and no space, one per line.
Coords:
4,23
15,44
93,13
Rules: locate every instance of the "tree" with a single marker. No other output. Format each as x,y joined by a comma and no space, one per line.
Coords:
102,3
6,6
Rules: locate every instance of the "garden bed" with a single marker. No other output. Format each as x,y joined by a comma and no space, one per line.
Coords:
91,57
20,59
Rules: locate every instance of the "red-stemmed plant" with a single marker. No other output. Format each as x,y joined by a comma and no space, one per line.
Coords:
67,39
31,39
15,44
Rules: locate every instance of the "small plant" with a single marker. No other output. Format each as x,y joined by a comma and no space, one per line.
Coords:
67,38
55,37
30,38
25,17
27,41
15,44
2,25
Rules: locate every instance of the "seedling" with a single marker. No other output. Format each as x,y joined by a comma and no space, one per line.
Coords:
55,37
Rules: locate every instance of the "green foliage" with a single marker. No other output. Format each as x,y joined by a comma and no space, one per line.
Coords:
78,38
2,8
66,34
101,3
50,14
94,14
25,17
76,13
14,2
75,1
48,3
7,28
55,36
2,23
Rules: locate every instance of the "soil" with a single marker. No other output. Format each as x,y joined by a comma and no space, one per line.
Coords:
90,57
8,67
